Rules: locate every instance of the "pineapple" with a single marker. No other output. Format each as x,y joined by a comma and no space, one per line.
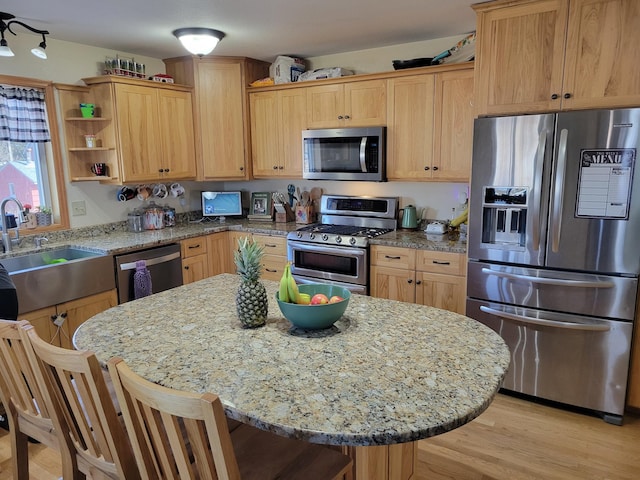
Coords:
251,300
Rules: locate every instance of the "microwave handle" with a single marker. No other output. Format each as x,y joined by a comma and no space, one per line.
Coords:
363,157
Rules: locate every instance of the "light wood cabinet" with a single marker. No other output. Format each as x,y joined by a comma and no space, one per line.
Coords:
426,277
78,156
195,261
58,323
353,104
453,126
154,137
277,120
275,255
430,126
218,253
221,111
545,55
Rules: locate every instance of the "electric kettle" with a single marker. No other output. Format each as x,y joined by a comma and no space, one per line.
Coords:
409,217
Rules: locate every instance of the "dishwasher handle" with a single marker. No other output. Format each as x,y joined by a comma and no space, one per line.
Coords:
151,261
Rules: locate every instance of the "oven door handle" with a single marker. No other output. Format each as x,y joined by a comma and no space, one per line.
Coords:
341,251
590,327
363,154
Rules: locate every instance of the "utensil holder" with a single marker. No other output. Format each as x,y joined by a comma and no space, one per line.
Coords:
304,215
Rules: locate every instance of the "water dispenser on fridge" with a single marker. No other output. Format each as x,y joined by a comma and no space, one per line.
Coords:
504,216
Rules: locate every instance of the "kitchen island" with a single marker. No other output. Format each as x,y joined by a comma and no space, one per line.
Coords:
384,376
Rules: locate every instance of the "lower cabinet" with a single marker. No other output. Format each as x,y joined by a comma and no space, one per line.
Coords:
384,462
218,253
58,323
275,255
195,261
427,277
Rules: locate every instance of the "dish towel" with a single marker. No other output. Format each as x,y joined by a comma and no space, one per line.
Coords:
141,280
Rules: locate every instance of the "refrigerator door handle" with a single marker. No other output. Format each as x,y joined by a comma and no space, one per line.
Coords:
549,281
537,182
556,217
591,327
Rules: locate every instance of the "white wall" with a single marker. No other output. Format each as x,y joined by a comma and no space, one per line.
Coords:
70,62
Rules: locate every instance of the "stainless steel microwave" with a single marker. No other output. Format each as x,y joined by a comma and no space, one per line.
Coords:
344,154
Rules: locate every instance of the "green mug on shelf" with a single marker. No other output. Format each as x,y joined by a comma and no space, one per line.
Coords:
87,110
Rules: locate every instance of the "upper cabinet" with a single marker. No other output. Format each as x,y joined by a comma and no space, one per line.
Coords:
221,111
353,104
430,125
135,127
544,55
277,120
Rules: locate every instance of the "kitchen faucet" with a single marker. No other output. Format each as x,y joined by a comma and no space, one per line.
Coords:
6,239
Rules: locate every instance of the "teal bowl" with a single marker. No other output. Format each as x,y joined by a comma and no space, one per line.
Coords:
315,317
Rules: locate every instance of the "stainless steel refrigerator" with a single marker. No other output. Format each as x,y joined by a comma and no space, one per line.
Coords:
554,250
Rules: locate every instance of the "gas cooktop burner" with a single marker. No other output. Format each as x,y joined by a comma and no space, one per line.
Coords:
346,230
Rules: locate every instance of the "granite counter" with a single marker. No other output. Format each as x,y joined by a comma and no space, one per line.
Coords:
113,239
387,372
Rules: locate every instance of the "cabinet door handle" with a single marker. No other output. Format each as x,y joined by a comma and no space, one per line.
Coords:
435,168
281,167
159,170
194,246
186,267
270,245
554,96
392,258
340,117
438,262
418,282
271,271
347,117
275,167
409,281
166,170
567,95
241,169
426,168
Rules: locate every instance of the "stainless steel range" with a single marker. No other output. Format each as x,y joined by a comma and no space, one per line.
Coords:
336,250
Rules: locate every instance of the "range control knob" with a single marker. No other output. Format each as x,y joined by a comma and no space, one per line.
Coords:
312,236
299,234
352,241
325,237
338,239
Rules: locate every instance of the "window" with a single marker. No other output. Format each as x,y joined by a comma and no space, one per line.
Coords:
30,160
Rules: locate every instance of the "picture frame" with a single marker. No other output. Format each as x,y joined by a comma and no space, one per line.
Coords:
261,205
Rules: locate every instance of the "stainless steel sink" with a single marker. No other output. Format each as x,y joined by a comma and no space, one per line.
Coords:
51,277
46,258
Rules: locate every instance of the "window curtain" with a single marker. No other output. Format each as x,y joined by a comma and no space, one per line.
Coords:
23,116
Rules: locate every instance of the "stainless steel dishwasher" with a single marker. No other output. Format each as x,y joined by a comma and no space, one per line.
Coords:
164,264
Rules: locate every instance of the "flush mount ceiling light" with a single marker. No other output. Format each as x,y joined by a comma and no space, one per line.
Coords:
199,41
5,24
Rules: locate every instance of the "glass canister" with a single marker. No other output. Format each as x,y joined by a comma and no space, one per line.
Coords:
169,216
134,220
153,217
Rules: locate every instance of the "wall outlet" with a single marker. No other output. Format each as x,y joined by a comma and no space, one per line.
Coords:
78,208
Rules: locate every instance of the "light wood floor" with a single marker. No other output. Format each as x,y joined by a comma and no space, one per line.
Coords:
514,439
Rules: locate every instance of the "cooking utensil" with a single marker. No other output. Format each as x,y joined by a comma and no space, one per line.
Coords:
291,189
298,195
316,194
305,198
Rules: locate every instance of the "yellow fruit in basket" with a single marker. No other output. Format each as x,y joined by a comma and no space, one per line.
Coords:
304,299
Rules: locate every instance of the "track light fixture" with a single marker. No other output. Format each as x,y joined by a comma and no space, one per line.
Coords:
6,21
199,41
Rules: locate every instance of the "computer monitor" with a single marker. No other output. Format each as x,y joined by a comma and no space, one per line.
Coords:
221,205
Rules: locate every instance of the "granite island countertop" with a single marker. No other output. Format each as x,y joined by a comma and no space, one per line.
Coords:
114,239
387,372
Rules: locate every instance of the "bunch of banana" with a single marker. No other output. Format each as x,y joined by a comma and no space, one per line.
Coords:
460,219
288,291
